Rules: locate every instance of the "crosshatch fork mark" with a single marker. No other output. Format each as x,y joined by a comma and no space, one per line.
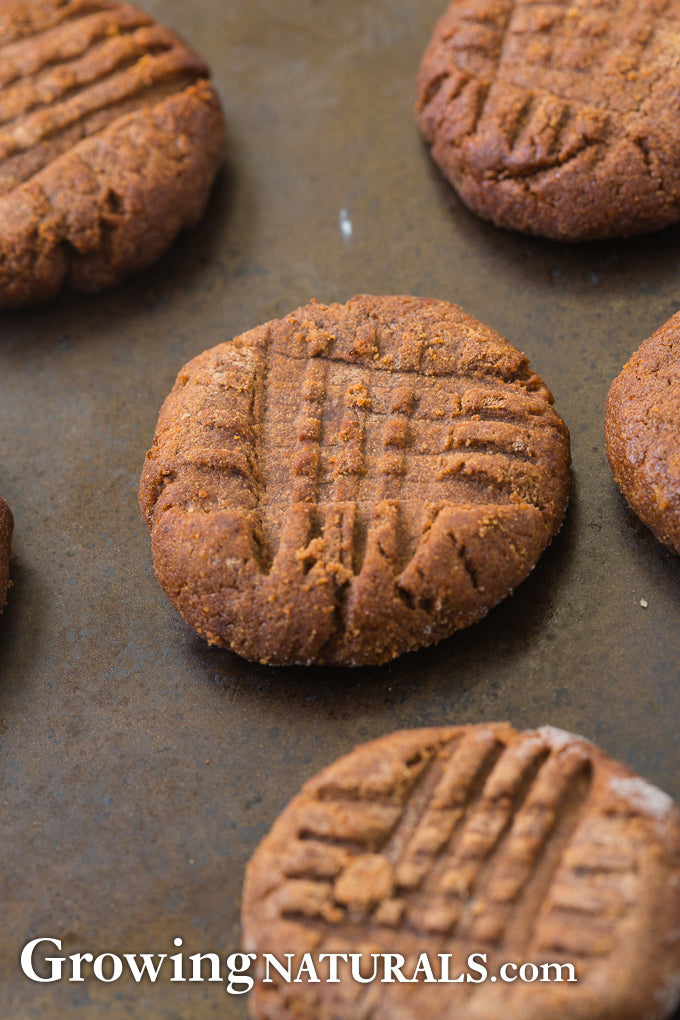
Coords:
556,122
574,862
363,435
473,851
76,78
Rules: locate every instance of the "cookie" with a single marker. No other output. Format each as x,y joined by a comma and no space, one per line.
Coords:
110,138
6,527
352,481
463,850
557,119
642,432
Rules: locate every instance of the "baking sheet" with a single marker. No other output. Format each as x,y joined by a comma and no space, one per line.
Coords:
141,767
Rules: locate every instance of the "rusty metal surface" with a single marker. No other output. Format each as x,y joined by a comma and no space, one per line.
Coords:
139,767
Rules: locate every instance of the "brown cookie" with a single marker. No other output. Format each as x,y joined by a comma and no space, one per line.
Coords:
514,848
110,138
557,119
6,528
642,432
352,481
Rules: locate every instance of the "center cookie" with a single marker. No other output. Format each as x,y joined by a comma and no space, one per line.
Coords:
517,860
352,481
557,119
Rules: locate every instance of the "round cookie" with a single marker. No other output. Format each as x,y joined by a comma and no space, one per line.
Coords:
352,481
481,845
110,138
557,119
642,432
6,528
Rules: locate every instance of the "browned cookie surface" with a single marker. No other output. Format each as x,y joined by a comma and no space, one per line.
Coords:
6,527
352,481
110,138
642,432
557,118
518,847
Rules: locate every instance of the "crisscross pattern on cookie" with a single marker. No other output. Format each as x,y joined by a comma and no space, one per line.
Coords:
518,91
516,846
393,438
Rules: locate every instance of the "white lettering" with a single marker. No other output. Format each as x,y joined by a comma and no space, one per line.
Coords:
27,961
270,960
177,969
238,964
393,968
446,959
147,965
233,970
77,960
424,966
478,968
196,963
333,958
356,968
116,967
559,967
307,967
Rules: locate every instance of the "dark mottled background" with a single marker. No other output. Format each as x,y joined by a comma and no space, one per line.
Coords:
140,767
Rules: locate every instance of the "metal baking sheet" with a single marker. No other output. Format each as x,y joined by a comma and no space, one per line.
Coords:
139,766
